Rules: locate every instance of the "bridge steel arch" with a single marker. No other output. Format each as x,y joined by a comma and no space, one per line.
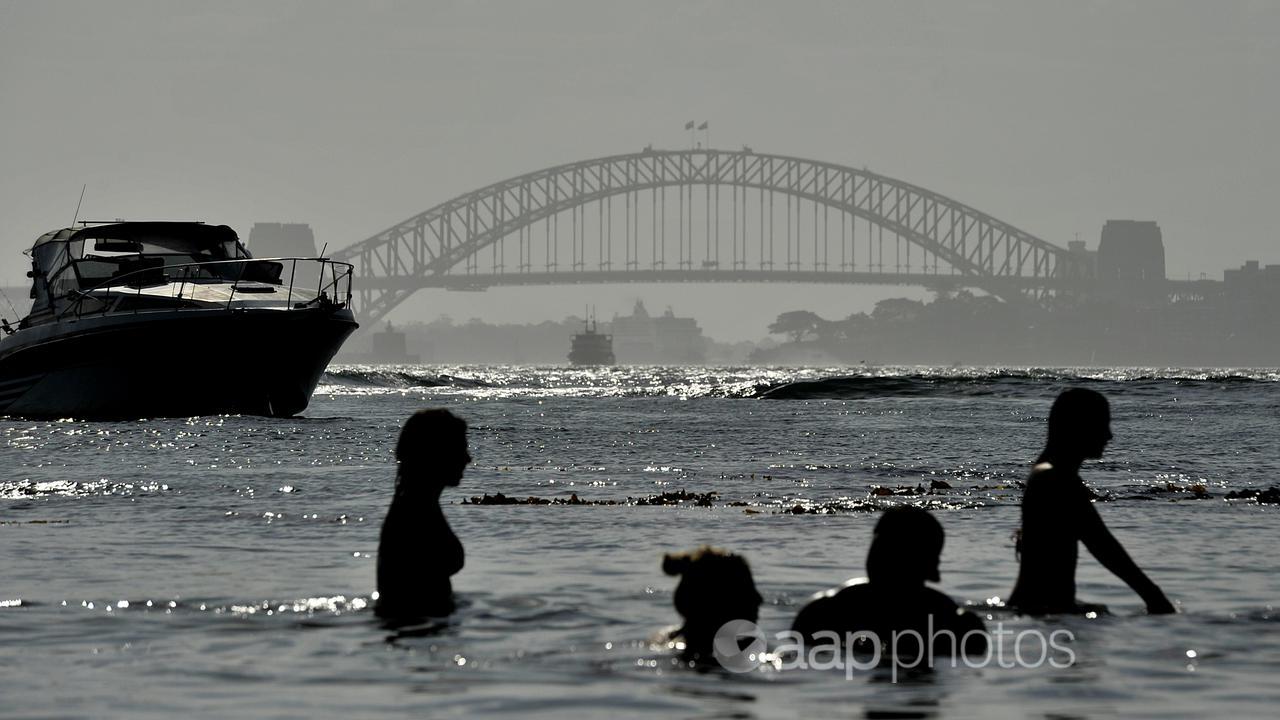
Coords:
441,247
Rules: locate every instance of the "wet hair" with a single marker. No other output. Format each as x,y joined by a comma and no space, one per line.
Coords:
906,546
1076,407
713,582
428,433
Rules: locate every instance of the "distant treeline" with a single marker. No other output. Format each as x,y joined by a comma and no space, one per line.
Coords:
973,329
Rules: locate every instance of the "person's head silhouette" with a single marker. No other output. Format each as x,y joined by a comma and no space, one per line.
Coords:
1079,425
906,547
432,447
715,587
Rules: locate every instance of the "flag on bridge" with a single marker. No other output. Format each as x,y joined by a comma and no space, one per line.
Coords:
703,126
688,125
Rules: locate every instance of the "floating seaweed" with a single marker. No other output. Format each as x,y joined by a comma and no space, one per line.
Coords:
1270,496
500,499
678,497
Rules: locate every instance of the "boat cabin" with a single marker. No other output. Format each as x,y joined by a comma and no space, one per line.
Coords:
75,261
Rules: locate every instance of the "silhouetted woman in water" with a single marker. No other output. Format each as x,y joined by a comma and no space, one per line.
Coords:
1058,514
715,587
418,552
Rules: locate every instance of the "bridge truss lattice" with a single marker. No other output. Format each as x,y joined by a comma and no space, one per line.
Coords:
704,216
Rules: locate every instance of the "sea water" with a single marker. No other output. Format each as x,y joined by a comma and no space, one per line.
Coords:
224,566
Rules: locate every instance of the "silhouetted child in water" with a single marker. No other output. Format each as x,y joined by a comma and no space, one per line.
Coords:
892,600
715,587
418,552
1058,513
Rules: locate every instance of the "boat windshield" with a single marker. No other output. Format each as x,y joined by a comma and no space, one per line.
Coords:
138,254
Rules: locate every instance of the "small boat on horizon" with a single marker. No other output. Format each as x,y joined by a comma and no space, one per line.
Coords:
170,319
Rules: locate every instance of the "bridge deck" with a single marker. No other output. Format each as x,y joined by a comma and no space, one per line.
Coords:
480,281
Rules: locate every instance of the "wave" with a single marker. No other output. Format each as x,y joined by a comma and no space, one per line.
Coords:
395,379
968,383
515,381
777,383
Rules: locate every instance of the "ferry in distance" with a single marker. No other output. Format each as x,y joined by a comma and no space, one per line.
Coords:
591,347
170,319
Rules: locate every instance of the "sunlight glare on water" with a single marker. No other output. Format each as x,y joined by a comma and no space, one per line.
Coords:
231,558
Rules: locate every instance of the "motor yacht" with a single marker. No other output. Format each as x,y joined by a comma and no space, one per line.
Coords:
170,319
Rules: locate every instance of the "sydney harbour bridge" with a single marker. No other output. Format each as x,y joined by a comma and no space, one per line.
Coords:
664,216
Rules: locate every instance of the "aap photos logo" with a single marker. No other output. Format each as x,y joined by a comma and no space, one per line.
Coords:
739,646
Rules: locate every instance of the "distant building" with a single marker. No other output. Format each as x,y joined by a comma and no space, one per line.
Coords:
1253,284
1088,258
1130,260
387,347
279,240
1131,250
269,239
639,338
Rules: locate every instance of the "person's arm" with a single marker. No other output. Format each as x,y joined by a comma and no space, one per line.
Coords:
1104,546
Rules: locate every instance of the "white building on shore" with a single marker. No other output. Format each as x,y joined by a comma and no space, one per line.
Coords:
641,339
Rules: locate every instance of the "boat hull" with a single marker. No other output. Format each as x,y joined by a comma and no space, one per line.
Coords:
181,364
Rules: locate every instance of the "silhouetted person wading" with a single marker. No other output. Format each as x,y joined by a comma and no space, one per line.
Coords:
418,552
1058,513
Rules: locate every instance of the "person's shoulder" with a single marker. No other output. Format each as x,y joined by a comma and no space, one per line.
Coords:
1045,479
849,591
852,585
831,607
853,596
1043,471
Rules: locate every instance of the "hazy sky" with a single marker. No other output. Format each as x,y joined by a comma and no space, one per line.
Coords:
352,116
